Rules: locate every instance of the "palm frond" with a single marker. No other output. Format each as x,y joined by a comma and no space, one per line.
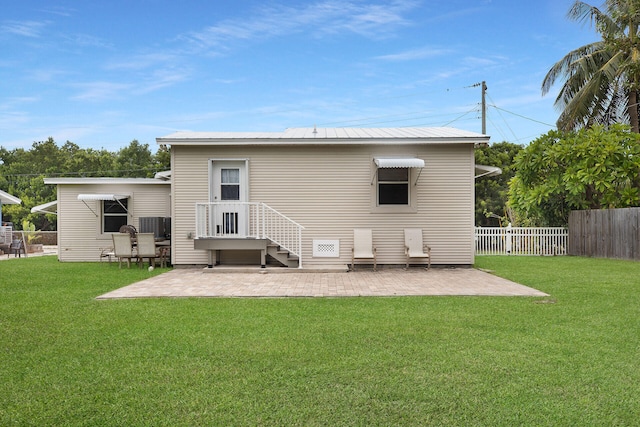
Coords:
565,67
584,12
598,78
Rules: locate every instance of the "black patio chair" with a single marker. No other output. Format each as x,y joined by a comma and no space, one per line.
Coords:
17,248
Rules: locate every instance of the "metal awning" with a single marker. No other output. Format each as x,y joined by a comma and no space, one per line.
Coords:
483,170
398,162
401,162
46,208
102,197
8,199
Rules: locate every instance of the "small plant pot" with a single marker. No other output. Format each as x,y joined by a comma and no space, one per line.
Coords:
33,248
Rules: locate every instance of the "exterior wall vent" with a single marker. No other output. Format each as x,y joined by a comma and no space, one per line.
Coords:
326,248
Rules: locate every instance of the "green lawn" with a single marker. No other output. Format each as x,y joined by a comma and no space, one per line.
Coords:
570,359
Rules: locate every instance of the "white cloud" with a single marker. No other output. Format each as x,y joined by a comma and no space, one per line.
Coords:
143,61
318,19
410,55
23,28
161,79
85,40
59,10
475,61
10,103
99,91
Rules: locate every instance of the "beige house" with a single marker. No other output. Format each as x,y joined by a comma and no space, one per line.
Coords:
294,198
90,210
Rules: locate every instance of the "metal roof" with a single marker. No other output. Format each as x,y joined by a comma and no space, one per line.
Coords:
105,180
329,135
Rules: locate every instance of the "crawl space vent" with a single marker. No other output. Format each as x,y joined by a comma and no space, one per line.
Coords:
326,248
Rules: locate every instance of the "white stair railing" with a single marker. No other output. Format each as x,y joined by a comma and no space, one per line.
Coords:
248,220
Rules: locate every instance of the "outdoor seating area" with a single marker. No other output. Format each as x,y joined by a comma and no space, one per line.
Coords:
130,246
364,249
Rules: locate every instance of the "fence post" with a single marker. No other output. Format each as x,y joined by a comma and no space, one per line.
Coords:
508,243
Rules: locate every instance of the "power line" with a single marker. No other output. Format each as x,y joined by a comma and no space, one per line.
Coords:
82,173
522,117
505,122
459,117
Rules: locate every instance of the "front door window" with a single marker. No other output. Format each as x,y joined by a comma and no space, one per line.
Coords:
230,184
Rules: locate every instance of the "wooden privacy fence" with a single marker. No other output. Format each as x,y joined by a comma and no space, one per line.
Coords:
605,233
521,240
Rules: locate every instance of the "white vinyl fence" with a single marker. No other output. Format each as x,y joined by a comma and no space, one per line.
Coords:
521,240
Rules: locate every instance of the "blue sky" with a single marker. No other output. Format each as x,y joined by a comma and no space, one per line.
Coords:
101,74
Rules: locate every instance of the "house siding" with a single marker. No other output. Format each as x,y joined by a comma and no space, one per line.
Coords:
328,190
79,237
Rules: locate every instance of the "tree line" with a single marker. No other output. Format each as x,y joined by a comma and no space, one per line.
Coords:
22,172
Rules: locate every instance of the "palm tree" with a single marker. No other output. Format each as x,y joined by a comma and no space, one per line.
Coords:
601,79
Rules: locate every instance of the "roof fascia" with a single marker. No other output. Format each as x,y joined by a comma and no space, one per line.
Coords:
319,141
87,181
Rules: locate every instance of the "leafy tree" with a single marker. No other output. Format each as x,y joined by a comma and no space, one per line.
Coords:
135,160
162,159
492,193
601,79
589,169
22,172
87,162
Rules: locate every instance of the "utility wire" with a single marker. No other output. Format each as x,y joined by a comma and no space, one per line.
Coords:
461,116
60,174
506,123
521,116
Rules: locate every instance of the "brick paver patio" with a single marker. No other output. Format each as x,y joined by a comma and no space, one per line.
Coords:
192,282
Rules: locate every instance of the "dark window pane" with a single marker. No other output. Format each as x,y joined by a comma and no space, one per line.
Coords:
112,224
114,214
112,206
393,174
393,194
230,192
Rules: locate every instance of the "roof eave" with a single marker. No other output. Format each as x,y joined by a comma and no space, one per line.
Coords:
105,180
321,141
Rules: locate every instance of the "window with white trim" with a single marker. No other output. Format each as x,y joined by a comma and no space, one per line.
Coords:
393,186
114,215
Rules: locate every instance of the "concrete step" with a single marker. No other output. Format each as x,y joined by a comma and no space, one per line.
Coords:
220,269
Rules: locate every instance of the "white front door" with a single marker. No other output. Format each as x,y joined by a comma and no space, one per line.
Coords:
229,187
